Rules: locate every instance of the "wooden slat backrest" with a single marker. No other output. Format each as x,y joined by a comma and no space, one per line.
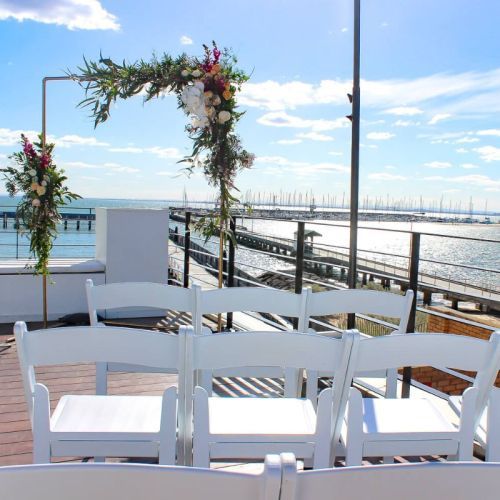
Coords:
425,349
432,481
133,481
255,299
361,302
120,295
243,349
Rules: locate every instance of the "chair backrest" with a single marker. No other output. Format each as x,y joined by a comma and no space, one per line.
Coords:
255,299
432,481
440,350
254,349
132,481
87,344
140,295
361,302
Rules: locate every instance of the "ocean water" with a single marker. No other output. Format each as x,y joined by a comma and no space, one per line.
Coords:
382,241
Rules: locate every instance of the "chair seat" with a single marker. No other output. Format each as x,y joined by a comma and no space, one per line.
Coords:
404,418
117,417
238,419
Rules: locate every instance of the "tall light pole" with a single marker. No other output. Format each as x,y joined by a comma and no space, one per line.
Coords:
355,117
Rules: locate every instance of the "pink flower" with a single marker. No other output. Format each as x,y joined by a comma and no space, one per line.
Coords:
45,160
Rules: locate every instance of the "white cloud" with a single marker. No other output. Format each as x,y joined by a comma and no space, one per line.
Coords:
169,153
10,137
278,165
472,180
471,92
185,40
405,123
289,141
469,165
128,149
67,141
466,140
379,136
74,14
439,117
491,131
282,119
438,164
335,153
344,30
488,153
113,167
462,150
390,167
404,111
384,176
315,136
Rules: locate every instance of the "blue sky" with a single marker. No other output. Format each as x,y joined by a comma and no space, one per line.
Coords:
430,94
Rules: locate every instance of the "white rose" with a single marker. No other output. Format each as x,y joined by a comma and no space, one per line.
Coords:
224,116
185,73
197,73
35,202
44,183
32,172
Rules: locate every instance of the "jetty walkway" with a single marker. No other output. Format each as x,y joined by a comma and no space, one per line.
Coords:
323,261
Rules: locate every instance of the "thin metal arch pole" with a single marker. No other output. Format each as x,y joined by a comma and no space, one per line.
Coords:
44,142
354,205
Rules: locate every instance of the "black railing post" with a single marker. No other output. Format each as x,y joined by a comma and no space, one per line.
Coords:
17,237
187,244
413,285
230,266
299,263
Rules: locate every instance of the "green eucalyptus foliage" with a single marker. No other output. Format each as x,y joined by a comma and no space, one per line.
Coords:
217,149
42,184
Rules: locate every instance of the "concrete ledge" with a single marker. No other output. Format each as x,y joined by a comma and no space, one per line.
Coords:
56,266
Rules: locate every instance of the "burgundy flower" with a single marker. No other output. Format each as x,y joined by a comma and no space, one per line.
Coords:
45,160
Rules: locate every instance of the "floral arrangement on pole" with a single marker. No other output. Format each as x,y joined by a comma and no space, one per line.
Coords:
42,183
205,89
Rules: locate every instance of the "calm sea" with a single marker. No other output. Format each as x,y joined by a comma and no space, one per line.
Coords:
439,254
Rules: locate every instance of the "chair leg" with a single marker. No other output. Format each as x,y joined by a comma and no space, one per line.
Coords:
201,449
354,422
41,425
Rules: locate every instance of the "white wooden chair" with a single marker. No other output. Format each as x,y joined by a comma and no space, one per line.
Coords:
117,296
359,301
405,427
134,481
240,427
251,299
100,426
432,481
488,429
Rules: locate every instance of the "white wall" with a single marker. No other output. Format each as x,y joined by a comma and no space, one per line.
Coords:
133,244
21,293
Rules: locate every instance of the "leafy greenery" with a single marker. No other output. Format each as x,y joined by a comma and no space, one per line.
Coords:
205,89
42,183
